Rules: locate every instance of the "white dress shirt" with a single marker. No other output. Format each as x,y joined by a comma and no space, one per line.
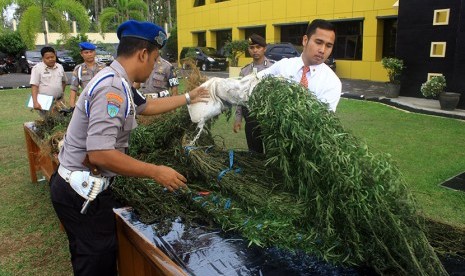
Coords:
322,81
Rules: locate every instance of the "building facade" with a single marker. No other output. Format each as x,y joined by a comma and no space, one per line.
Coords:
366,29
431,41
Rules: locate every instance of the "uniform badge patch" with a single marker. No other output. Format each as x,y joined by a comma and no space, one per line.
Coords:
113,97
112,109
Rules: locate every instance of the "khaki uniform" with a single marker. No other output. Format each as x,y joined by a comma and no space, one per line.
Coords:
252,129
103,118
49,80
82,75
162,78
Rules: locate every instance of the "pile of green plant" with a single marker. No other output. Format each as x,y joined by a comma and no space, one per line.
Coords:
318,188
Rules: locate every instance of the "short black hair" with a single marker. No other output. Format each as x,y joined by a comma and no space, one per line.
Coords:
47,49
319,23
129,45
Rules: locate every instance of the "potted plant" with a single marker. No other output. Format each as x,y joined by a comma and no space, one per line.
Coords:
394,68
435,87
234,49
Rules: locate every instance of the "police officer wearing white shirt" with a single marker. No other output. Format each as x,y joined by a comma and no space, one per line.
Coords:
310,69
99,130
256,48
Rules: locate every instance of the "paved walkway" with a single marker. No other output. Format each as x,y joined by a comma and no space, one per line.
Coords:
375,91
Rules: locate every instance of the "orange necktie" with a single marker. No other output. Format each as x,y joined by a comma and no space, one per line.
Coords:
303,80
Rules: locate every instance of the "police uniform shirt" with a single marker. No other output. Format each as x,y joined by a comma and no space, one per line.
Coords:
163,76
247,70
49,79
322,81
103,118
82,74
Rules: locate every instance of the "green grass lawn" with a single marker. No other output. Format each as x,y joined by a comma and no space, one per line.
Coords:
427,149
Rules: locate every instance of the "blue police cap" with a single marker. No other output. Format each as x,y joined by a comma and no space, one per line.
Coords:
142,30
86,46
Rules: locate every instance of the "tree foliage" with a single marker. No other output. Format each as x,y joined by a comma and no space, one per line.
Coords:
234,49
11,43
54,12
123,10
171,47
72,45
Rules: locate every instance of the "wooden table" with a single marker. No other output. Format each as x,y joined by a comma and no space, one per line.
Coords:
38,161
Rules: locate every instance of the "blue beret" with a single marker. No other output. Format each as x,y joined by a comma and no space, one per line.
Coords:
86,46
142,30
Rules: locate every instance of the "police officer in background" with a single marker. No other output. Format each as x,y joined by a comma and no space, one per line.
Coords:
257,47
162,78
84,72
96,143
47,77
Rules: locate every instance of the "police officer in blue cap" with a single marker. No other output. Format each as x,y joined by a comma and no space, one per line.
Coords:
96,143
84,72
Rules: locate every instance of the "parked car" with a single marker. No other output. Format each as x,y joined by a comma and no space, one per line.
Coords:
206,58
65,59
29,60
279,51
101,55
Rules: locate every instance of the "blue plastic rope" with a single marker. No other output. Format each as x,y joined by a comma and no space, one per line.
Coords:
231,163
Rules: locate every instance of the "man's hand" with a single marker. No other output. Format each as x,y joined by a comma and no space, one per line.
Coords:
199,94
168,178
237,127
37,106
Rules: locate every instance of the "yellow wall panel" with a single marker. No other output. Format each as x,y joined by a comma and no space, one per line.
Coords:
308,7
325,7
343,6
265,10
370,24
294,9
243,15
378,73
347,15
254,12
383,4
369,48
279,11
363,5
343,68
360,70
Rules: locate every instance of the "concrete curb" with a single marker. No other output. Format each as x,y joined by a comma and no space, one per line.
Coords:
398,104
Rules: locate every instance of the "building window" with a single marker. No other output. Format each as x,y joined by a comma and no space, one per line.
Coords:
348,40
441,17
430,75
198,3
389,37
201,39
438,49
293,33
221,38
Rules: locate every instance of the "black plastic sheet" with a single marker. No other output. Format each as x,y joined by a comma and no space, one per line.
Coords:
205,252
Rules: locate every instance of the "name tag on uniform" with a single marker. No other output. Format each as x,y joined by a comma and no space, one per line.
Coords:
174,81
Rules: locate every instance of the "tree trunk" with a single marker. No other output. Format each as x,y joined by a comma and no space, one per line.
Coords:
45,32
96,11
